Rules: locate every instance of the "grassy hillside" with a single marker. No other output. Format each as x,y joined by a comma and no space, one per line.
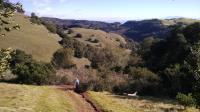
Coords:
105,39
186,21
116,103
33,39
23,98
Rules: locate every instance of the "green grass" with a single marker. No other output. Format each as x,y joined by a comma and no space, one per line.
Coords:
24,98
115,103
33,39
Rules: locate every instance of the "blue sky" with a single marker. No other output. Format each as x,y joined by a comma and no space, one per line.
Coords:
113,10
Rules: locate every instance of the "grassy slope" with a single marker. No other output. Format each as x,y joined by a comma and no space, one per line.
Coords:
106,39
179,20
115,103
33,39
23,98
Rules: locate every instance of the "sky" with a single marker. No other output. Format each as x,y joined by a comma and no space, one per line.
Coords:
113,10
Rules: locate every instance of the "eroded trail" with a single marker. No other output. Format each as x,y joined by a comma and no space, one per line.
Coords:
81,104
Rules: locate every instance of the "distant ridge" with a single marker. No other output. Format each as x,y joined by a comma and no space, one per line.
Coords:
133,29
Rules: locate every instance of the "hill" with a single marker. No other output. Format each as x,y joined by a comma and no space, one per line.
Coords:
33,39
103,39
136,30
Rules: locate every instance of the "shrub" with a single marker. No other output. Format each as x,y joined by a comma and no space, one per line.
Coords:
35,19
63,58
50,26
186,100
143,81
93,40
118,40
78,35
29,71
70,31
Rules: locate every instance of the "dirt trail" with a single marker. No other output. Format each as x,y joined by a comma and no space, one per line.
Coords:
80,102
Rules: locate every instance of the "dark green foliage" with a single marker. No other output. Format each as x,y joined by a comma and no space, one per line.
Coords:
70,31
186,100
29,71
50,26
176,60
78,35
143,80
78,47
63,58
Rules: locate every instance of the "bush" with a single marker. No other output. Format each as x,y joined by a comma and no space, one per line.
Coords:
93,40
29,71
63,58
51,27
186,100
70,31
143,81
35,19
78,35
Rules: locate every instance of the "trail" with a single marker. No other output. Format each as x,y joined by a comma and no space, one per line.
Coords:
81,102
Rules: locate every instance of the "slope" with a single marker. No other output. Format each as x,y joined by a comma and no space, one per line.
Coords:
33,39
104,39
24,98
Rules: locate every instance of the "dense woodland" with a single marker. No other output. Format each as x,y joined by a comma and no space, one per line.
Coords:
167,67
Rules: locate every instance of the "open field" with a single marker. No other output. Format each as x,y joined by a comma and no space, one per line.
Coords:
116,103
23,98
33,39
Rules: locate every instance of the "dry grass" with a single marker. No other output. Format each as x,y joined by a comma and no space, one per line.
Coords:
116,103
23,98
180,20
81,62
33,39
106,39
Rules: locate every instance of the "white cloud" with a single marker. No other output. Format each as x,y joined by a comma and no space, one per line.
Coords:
42,7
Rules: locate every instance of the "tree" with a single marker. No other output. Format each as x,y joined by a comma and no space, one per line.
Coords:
29,71
35,19
63,58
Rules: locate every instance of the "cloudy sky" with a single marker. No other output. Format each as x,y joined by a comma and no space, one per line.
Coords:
113,10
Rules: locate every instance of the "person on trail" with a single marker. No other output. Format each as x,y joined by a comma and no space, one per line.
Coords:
76,85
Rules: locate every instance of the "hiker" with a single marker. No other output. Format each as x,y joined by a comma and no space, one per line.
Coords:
76,85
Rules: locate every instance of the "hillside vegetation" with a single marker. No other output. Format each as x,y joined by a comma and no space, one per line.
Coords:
84,40
31,38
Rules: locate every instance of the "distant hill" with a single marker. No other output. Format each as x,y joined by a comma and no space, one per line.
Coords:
136,30
103,39
33,39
